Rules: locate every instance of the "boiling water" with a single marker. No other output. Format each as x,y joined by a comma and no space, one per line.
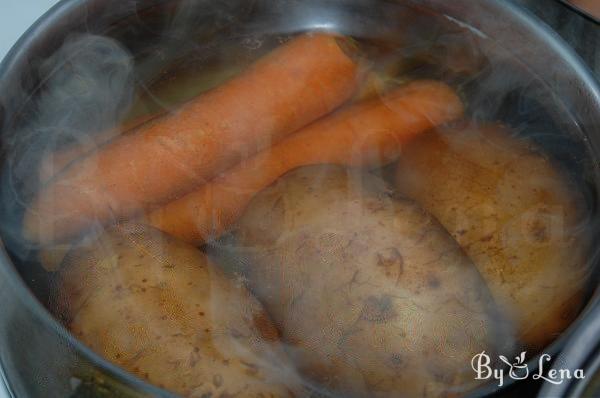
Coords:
95,82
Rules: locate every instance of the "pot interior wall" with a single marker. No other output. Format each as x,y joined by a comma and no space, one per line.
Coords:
173,45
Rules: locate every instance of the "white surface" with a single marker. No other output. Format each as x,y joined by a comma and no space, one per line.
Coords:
15,17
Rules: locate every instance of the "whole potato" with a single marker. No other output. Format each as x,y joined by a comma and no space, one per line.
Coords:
159,309
373,296
515,215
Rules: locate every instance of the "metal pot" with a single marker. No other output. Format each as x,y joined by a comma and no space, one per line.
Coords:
581,353
40,357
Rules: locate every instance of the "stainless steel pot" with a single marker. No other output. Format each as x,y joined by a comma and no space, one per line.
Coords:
40,358
581,353
585,8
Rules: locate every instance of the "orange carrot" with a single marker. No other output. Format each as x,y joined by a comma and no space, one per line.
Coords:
55,162
366,134
295,84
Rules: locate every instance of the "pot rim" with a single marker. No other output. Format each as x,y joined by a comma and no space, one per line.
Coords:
8,272
19,53
581,11
581,352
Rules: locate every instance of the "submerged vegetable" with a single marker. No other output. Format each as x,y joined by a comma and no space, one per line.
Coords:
515,215
169,156
159,309
369,134
372,294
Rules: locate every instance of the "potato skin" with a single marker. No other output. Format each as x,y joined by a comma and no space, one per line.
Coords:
515,215
159,309
372,294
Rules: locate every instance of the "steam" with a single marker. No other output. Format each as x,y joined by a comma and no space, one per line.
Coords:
89,84
89,88
86,87
82,92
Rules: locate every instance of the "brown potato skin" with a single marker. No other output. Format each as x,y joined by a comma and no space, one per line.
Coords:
372,294
159,309
515,215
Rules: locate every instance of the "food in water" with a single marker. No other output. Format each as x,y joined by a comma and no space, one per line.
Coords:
477,242
370,134
374,297
160,309
295,84
513,212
